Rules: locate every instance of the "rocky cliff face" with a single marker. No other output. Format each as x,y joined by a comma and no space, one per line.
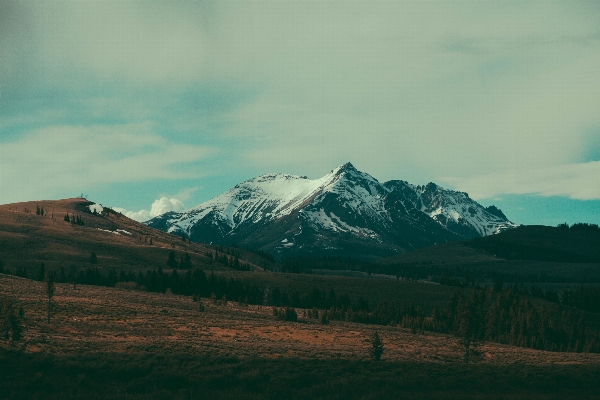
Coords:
346,212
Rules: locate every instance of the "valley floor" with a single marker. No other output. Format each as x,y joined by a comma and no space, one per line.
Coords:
101,326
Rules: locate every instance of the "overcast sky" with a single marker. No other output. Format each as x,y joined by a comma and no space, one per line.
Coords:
158,106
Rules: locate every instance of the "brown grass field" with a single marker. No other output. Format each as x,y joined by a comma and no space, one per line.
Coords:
116,343
98,319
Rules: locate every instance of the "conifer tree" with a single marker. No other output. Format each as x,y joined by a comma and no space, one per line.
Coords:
49,291
10,320
172,262
185,262
42,272
376,346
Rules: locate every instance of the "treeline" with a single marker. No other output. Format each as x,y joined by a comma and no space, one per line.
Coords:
561,244
579,226
583,297
307,264
507,317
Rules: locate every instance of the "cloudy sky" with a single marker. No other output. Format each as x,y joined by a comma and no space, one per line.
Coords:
157,106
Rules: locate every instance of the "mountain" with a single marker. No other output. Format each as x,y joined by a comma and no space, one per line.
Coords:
346,212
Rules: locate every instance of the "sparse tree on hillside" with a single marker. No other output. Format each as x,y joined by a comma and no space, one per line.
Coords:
172,262
10,320
42,272
185,262
470,321
93,258
376,347
49,291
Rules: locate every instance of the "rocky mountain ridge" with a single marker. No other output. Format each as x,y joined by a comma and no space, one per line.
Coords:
346,212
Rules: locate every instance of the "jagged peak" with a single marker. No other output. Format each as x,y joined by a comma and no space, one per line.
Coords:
276,176
347,167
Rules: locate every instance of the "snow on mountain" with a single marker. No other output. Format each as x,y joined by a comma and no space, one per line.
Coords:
342,210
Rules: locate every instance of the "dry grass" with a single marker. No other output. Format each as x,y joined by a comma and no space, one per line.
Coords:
98,319
27,239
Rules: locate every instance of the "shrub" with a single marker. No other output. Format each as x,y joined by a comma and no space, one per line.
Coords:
376,346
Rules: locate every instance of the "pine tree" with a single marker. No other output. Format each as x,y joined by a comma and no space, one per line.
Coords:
172,262
93,258
10,320
185,262
49,291
376,346
42,272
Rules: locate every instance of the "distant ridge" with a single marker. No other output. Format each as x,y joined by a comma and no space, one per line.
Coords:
346,212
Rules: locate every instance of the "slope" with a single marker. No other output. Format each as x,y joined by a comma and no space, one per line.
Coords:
346,212
28,239
525,254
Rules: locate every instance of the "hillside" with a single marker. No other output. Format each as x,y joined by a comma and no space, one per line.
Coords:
28,239
523,254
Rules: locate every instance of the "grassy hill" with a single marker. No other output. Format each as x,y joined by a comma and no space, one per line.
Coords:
534,254
28,239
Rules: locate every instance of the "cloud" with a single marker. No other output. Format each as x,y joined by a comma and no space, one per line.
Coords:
186,193
72,158
159,207
427,88
140,41
576,181
404,90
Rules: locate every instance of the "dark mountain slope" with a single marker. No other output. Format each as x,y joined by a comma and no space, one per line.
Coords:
346,212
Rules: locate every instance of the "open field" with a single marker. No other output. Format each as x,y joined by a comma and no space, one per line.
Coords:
96,325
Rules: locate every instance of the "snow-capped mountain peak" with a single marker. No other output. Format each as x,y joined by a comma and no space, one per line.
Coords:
290,214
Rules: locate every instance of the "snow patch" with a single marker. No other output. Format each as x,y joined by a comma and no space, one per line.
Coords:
104,230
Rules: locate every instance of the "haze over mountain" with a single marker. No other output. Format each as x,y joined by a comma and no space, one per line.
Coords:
345,212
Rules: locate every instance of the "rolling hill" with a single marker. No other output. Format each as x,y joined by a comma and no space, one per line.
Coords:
28,239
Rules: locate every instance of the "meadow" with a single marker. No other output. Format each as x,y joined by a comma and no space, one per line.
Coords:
117,343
